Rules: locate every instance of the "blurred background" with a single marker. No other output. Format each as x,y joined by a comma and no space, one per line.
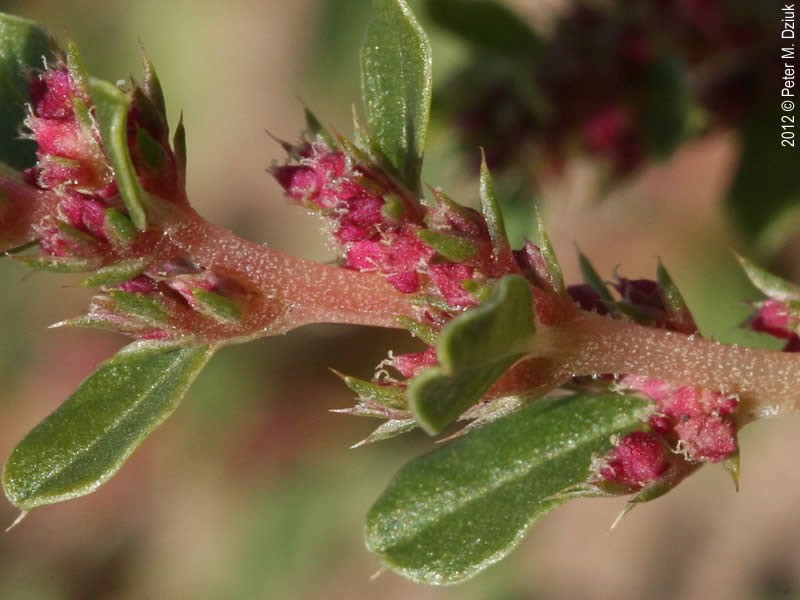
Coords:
250,491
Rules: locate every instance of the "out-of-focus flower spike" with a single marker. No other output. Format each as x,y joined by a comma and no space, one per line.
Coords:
494,218
770,285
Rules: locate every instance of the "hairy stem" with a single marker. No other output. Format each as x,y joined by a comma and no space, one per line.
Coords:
295,291
767,382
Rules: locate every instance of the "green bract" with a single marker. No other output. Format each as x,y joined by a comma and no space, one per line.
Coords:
111,108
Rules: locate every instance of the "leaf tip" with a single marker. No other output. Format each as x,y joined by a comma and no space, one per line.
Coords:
17,521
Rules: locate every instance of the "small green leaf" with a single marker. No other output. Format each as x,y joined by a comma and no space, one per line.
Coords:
502,325
452,513
453,247
492,214
111,108
87,439
474,350
488,25
769,284
23,46
396,84
437,399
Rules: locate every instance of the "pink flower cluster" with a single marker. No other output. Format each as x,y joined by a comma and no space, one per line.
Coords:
780,319
91,229
381,227
689,427
72,163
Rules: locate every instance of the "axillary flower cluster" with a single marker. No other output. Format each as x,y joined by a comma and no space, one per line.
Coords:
449,257
421,262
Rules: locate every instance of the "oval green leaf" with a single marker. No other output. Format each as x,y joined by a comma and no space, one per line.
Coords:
452,513
23,46
87,439
396,85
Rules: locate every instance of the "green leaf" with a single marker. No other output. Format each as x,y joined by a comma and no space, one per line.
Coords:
769,284
450,514
87,439
111,108
486,24
23,46
474,350
396,85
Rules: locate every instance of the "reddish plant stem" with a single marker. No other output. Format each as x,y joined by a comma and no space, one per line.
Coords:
767,381
290,292
294,291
